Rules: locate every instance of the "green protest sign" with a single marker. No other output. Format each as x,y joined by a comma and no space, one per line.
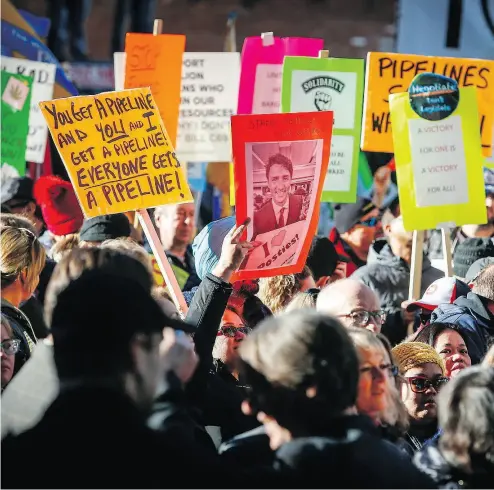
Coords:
16,105
330,84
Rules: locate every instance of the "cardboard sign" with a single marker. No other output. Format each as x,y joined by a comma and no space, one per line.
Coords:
262,66
280,162
209,99
336,84
436,185
117,152
16,99
389,73
156,62
43,75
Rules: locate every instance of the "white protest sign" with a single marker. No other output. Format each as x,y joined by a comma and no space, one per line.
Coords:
439,163
119,60
43,75
209,97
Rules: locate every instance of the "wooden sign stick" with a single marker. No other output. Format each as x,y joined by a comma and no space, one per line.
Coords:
155,243
447,254
416,269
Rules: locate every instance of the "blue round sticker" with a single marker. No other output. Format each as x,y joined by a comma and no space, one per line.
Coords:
433,97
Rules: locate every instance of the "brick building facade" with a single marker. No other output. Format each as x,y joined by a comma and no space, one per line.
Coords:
350,27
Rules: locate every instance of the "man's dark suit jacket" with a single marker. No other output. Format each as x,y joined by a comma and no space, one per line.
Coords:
265,219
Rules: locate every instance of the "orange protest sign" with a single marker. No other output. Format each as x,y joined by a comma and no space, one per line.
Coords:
388,73
156,62
117,152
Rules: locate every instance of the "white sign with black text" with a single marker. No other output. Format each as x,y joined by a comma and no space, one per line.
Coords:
209,98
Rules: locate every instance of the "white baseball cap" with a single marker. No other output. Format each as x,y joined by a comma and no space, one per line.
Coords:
444,290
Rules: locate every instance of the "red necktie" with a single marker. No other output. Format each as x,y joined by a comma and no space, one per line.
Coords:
281,219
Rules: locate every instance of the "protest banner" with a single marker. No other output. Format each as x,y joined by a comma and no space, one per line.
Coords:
43,75
435,134
156,61
117,151
280,162
16,99
209,99
119,158
388,73
262,65
335,84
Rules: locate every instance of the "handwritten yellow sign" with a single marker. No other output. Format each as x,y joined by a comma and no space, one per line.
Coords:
117,151
389,73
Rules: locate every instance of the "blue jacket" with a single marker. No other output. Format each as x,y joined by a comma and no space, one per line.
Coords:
474,320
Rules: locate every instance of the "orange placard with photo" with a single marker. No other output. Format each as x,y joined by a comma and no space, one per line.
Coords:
156,62
280,162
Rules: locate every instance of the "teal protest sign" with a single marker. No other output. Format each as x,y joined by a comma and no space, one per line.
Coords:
16,105
336,84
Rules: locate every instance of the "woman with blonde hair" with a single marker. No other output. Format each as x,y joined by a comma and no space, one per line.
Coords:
378,395
22,258
276,292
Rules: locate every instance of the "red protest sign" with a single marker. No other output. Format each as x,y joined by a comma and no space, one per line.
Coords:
280,163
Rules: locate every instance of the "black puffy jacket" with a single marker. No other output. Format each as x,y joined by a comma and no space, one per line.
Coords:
432,463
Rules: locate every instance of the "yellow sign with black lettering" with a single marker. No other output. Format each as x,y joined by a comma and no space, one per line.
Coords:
117,152
389,73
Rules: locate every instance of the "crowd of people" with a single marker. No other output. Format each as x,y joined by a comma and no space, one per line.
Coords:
328,378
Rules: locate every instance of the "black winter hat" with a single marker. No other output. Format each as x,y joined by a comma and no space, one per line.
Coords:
347,215
323,258
106,227
19,192
469,251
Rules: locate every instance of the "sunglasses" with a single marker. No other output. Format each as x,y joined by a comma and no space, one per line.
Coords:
232,332
10,347
419,384
370,222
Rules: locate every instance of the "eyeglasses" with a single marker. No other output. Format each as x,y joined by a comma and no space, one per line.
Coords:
370,222
10,347
420,384
361,318
232,332
390,369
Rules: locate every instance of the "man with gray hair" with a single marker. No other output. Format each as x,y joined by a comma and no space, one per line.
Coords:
354,303
176,228
387,273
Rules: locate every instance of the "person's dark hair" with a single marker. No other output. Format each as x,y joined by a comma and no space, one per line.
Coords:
429,333
78,260
98,300
484,283
17,221
466,416
279,159
288,354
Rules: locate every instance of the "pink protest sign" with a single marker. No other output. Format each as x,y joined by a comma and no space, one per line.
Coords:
262,65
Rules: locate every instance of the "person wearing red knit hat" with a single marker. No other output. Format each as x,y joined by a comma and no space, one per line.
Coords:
59,206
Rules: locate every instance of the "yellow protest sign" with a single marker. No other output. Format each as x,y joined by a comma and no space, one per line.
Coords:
438,162
117,152
388,73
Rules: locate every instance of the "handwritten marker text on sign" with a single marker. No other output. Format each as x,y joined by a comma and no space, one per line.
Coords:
388,73
117,152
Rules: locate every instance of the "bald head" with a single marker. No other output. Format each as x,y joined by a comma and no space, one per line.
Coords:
349,296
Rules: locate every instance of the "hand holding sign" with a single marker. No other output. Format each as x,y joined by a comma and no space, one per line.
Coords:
233,252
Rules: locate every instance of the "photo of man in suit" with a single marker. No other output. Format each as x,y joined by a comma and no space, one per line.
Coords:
284,208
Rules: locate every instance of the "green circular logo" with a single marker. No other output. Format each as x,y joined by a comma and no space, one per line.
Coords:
433,97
